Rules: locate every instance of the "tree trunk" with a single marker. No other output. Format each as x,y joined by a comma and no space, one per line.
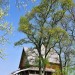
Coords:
44,70
40,67
61,72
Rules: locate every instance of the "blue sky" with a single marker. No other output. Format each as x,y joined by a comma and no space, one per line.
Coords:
13,54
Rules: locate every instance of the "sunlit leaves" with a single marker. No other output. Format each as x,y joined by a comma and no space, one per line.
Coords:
1,13
5,27
59,35
58,32
25,26
37,10
66,4
38,13
58,15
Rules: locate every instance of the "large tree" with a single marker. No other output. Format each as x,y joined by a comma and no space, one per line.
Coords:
43,25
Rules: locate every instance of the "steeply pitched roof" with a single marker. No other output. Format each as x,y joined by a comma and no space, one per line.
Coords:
23,59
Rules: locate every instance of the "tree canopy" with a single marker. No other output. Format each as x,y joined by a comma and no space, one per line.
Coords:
50,23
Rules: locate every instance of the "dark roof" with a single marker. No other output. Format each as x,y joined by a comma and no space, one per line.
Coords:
23,59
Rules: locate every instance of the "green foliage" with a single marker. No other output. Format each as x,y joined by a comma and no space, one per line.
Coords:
44,62
5,27
67,4
1,13
43,26
25,26
27,65
59,34
66,71
56,18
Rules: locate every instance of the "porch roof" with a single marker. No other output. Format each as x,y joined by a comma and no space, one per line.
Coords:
33,69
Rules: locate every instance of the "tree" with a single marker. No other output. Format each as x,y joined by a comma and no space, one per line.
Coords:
42,26
5,27
67,51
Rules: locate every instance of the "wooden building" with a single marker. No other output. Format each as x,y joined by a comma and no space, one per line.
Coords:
28,63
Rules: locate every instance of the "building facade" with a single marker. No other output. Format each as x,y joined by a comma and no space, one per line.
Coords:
29,65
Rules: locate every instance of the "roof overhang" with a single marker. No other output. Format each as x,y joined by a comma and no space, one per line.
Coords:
33,69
